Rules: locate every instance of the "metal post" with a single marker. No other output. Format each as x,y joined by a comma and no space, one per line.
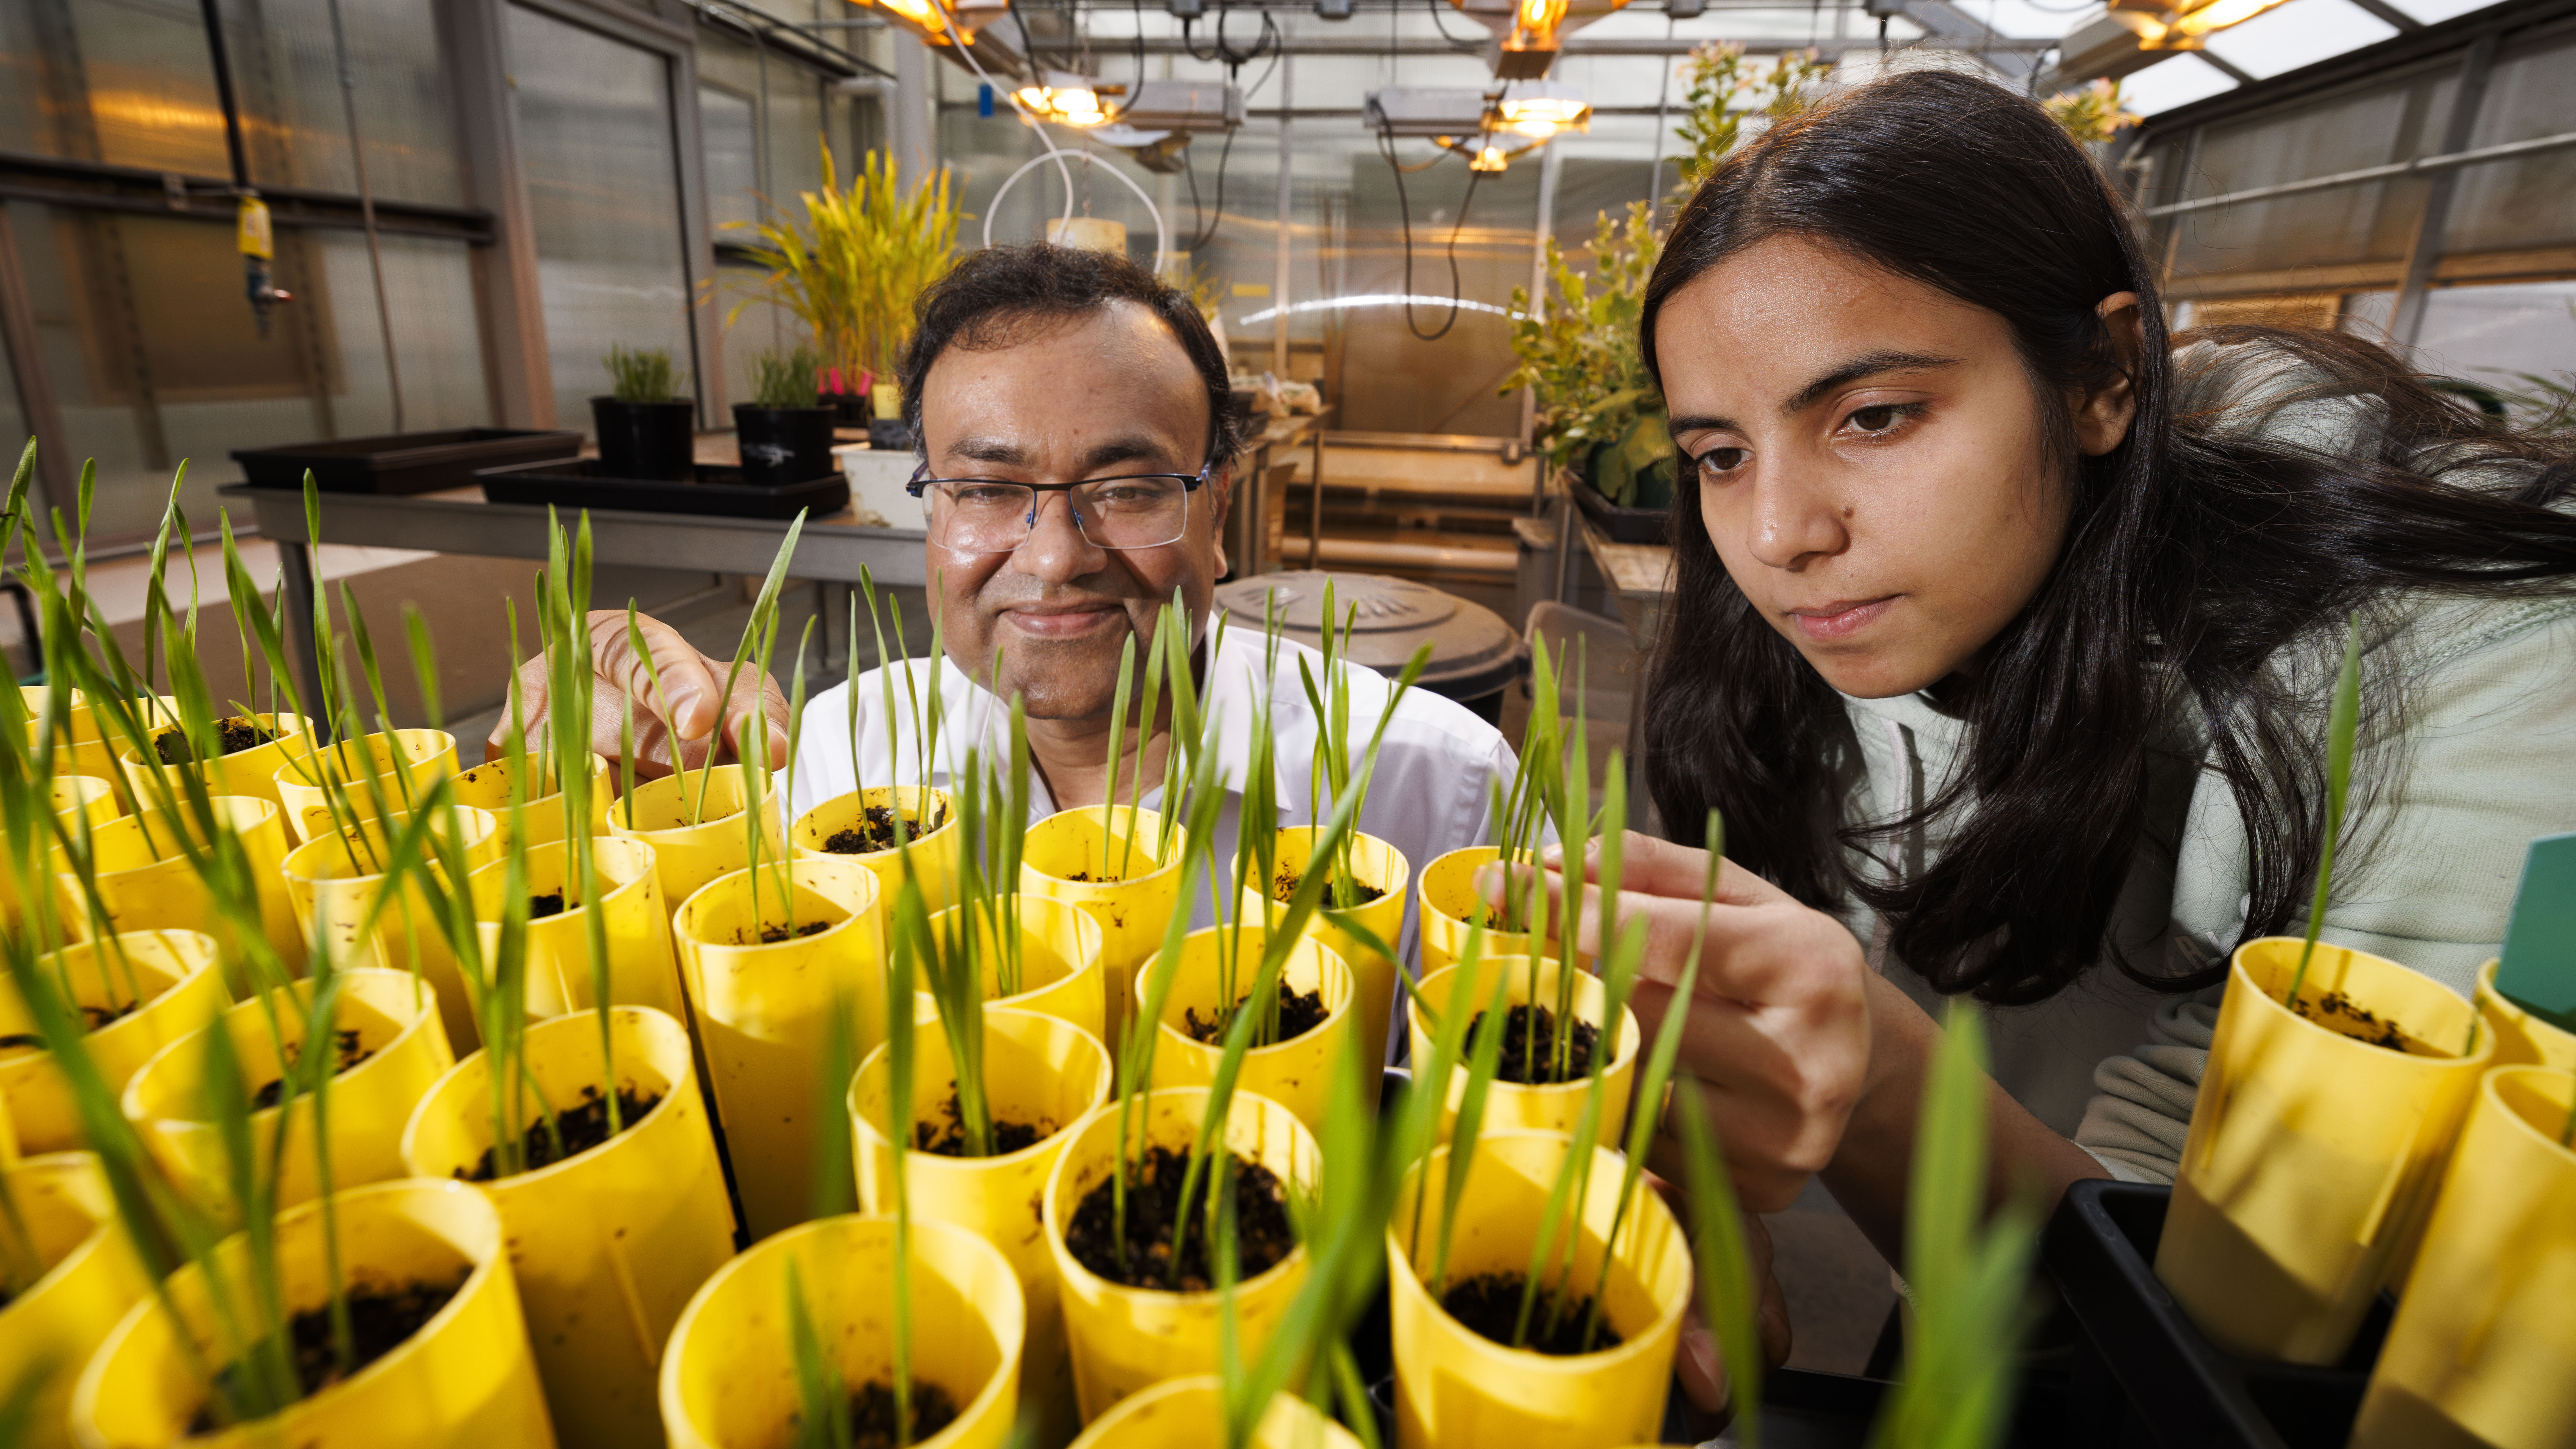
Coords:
2406,319
295,558
367,209
914,148
1279,283
54,473
1551,165
508,297
1315,505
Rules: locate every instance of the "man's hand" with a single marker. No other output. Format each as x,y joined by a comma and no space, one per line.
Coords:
685,713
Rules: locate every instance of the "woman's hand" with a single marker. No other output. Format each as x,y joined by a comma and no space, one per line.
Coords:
685,714
1778,1035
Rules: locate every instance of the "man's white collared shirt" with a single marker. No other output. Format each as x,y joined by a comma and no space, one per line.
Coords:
1432,791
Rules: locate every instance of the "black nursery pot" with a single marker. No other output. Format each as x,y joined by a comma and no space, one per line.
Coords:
652,440
849,409
783,445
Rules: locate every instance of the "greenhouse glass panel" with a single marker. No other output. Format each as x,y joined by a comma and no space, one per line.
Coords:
2530,201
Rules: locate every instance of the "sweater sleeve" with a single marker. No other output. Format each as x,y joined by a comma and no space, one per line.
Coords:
2488,762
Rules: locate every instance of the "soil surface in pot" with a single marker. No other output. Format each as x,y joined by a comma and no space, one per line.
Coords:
1299,1013
1529,1051
573,1131
351,1053
1261,1232
2341,1014
1490,1303
771,935
946,1136
1284,885
550,904
234,735
381,1319
875,830
92,1018
872,1419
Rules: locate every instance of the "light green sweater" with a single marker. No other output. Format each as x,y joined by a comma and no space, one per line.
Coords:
2485,761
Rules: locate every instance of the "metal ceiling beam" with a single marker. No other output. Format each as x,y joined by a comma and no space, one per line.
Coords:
1107,50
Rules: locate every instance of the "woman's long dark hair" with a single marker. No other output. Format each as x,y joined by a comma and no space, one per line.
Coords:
2190,559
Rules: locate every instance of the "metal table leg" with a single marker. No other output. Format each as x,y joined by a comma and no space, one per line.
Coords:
297,561
1315,507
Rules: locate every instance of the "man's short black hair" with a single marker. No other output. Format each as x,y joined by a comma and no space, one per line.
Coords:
993,293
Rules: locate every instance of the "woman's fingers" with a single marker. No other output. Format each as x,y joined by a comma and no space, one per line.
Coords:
1656,867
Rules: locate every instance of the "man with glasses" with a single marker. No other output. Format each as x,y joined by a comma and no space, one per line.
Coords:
1076,437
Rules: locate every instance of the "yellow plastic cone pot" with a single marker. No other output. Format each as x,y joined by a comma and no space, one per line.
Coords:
1039,1071
82,751
2312,1156
729,1379
687,856
1297,1073
1190,1414
642,970
1456,1386
397,1025
2521,1038
147,883
90,1279
463,1381
1373,973
609,1245
333,881
1511,1106
1132,909
304,780
1124,1339
167,982
541,820
934,856
1060,973
764,1015
1450,897
251,772
2483,1351
74,798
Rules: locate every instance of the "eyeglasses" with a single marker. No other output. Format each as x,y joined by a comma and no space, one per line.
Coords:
988,515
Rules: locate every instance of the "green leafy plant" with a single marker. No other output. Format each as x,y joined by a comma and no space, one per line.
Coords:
1712,123
1333,776
850,271
2090,114
1728,1293
785,379
642,375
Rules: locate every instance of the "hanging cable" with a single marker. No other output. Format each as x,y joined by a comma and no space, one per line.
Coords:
1203,224
1469,44
367,210
1404,212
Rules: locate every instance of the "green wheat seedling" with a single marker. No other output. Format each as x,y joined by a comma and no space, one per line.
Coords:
785,379
901,1051
1333,773
563,620
823,1401
1967,1273
1728,1293
2342,724
643,374
925,709
764,617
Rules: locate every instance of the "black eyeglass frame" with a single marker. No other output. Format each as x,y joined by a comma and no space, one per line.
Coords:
920,483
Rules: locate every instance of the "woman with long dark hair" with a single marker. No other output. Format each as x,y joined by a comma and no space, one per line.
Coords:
2003,633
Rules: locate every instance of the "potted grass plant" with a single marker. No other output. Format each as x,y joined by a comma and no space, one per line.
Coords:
2336,1083
784,435
136,993
894,829
587,1130
67,1274
1523,812
646,426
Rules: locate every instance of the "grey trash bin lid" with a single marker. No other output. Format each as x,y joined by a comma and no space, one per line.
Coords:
1473,652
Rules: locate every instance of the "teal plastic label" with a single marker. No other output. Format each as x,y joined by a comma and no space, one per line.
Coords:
2538,971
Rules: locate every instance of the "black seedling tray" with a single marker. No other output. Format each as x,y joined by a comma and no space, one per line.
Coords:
2143,1375
402,463
717,492
1619,525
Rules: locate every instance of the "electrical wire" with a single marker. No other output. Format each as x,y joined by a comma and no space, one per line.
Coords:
1469,44
1203,224
1404,211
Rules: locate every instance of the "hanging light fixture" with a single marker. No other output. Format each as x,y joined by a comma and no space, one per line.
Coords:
2165,25
1070,100
1529,33
1540,109
941,22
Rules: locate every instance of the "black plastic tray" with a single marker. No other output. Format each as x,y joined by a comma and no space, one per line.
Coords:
1620,525
2143,1375
402,463
718,492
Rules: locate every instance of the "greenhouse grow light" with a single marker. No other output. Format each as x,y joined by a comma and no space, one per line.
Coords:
1540,109
935,22
2163,26
1529,33
1070,100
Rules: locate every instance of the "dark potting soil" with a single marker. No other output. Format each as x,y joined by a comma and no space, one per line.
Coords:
350,1055
575,1130
872,1414
1490,1303
1299,1013
540,907
93,1017
1084,877
1286,882
1261,1232
380,1321
772,935
2339,1013
875,830
235,735
1529,1055
947,1137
